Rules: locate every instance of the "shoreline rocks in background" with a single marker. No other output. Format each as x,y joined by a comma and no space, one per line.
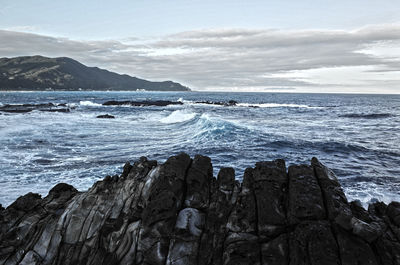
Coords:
220,103
159,103
24,108
39,73
178,213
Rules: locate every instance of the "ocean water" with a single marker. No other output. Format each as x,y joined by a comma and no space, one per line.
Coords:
358,136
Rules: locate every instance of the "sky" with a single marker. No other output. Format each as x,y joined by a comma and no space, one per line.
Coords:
295,46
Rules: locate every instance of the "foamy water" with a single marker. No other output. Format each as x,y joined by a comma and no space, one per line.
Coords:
178,116
355,135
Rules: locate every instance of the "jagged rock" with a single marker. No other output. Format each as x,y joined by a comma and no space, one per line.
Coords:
305,197
270,184
336,204
178,213
393,211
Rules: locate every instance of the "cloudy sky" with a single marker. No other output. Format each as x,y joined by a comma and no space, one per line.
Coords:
304,46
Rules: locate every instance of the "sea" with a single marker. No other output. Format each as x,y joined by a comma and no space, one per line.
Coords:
357,136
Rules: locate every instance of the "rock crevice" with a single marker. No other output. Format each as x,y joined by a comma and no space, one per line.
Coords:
178,213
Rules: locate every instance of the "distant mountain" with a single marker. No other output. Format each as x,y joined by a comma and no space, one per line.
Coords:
42,73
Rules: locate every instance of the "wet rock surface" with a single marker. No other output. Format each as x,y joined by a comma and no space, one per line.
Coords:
105,116
23,108
220,103
160,103
178,213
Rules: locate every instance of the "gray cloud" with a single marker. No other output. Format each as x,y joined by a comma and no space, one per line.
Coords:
223,58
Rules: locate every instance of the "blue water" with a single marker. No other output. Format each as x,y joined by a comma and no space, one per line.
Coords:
358,136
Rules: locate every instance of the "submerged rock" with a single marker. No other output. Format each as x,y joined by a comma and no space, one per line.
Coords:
105,116
178,213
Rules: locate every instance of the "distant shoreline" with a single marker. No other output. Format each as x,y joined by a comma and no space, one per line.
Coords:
204,91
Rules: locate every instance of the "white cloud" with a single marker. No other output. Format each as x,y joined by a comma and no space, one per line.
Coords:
239,59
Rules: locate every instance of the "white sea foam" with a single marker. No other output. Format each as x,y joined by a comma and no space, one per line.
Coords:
178,116
275,105
253,105
72,105
89,103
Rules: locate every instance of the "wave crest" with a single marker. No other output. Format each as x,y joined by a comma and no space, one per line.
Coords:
178,116
275,105
89,103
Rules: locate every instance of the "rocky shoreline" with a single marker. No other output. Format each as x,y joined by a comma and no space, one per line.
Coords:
178,213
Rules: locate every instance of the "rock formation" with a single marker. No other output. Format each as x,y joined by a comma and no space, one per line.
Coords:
146,103
221,103
105,116
178,213
23,108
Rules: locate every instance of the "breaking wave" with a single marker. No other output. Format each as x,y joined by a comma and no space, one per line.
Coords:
178,116
89,103
275,105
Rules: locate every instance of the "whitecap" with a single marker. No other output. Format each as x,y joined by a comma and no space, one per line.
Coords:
275,105
72,105
178,116
89,103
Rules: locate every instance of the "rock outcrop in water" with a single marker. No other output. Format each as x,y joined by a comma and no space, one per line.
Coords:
178,213
105,116
23,108
145,103
220,103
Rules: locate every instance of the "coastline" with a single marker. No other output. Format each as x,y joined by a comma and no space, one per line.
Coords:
211,91
179,213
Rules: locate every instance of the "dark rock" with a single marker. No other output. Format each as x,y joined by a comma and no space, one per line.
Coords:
198,183
159,103
126,170
276,251
24,108
220,103
242,243
270,185
393,211
224,193
312,242
354,250
359,212
366,115
178,213
27,202
61,188
335,201
305,198
105,116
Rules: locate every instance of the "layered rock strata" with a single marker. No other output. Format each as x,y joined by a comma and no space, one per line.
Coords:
178,213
